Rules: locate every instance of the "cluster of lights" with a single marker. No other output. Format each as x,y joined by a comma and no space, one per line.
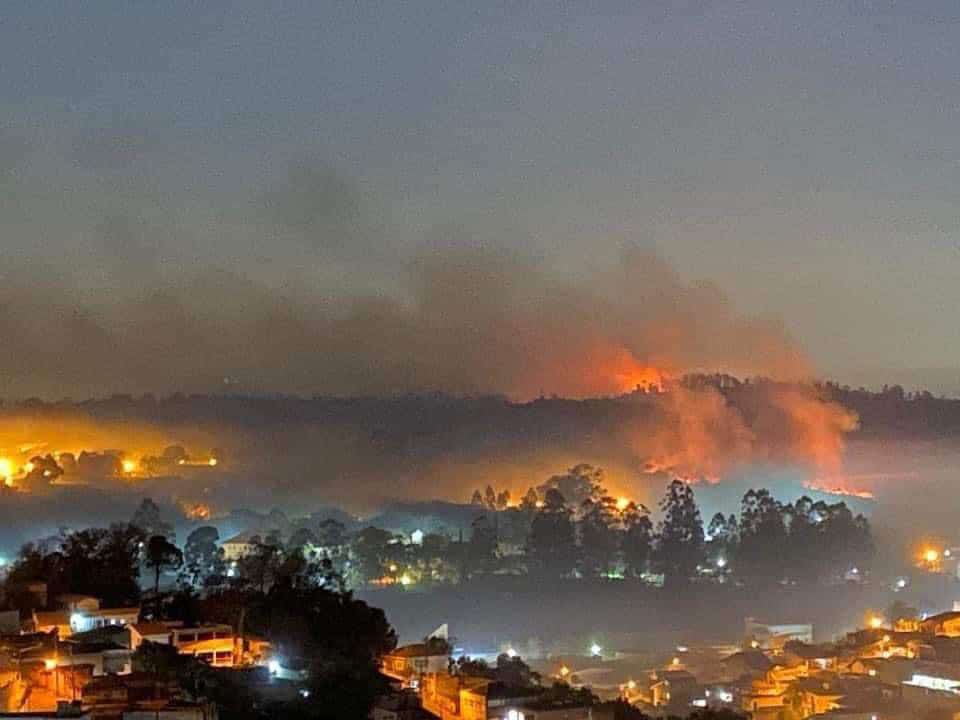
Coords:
9,470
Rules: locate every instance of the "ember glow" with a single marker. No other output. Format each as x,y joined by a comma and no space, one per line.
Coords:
837,486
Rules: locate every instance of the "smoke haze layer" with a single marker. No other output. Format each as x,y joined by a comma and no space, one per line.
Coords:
474,322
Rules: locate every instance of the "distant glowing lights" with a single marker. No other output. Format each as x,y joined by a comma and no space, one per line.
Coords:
931,555
274,667
596,650
511,653
129,466
623,503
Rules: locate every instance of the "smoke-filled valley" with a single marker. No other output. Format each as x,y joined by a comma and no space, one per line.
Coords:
205,456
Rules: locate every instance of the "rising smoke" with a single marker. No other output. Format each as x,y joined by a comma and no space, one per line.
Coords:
145,308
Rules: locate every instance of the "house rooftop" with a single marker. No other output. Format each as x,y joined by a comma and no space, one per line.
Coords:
152,628
419,650
812,652
244,538
942,617
753,659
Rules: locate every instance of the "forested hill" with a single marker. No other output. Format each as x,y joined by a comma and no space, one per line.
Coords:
888,412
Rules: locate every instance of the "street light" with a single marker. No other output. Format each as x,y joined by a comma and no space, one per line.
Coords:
596,650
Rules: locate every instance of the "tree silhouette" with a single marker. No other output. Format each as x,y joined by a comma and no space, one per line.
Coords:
680,538
202,557
161,555
598,535
637,539
552,541
763,537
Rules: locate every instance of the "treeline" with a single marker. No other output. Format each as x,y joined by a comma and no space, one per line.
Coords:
596,535
890,410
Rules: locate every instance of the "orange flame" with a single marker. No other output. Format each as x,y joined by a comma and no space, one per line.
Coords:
196,511
837,486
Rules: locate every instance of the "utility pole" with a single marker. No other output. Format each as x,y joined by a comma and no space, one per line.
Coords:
238,641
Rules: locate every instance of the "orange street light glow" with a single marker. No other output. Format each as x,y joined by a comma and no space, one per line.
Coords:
623,503
128,466
6,468
931,555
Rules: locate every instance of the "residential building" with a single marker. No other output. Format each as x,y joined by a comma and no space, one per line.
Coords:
772,637
240,546
454,697
675,688
56,621
217,645
139,696
86,620
946,624
409,663
156,632
747,663
94,658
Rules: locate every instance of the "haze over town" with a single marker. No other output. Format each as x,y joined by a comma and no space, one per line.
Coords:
487,361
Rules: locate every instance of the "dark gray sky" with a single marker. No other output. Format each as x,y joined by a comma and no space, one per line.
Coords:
189,166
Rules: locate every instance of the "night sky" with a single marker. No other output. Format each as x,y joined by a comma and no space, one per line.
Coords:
164,161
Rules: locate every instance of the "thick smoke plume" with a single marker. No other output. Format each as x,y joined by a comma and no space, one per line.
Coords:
464,322
145,303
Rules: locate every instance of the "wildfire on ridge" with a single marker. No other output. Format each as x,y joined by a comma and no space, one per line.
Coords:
625,374
837,486
196,511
